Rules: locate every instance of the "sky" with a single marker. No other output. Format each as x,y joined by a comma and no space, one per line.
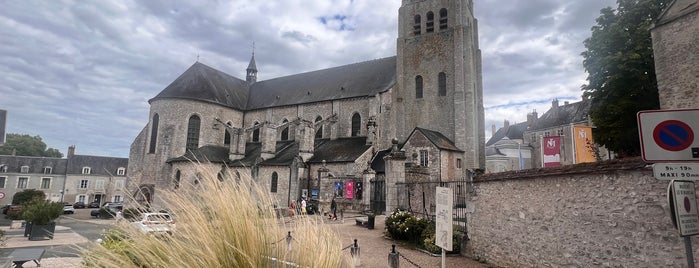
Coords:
81,72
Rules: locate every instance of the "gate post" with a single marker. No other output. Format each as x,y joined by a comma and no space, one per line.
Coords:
367,188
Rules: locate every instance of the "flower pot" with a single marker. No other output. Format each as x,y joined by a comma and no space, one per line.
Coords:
42,232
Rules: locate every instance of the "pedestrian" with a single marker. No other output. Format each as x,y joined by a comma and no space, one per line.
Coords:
303,206
333,209
119,215
292,208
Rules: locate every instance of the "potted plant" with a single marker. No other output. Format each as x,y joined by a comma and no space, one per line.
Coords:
40,216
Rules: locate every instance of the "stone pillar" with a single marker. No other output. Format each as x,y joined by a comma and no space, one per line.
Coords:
269,141
234,151
395,173
306,139
367,177
371,131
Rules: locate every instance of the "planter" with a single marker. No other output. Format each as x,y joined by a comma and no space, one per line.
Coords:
40,232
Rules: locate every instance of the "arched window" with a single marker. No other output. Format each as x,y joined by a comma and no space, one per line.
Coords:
176,181
153,133
356,124
285,131
442,18
418,87
193,132
442,84
256,133
416,25
273,184
429,25
319,132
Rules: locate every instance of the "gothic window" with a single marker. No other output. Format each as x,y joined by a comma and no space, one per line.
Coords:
442,18
429,26
416,26
273,185
442,84
356,123
153,134
227,138
418,87
319,132
285,131
176,181
256,133
193,132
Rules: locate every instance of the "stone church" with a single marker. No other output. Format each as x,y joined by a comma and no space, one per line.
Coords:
348,132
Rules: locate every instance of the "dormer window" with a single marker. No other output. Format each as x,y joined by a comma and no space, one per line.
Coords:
416,25
121,171
47,170
3,168
86,170
24,169
442,18
429,27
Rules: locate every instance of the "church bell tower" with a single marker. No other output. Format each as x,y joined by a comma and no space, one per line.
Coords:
439,84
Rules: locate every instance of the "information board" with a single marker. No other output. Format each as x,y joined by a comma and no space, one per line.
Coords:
684,207
443,229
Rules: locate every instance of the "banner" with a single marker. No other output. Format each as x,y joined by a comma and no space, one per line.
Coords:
349,189
551,147
338,191
582,137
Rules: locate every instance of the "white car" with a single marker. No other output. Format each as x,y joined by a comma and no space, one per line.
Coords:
68,209
155,223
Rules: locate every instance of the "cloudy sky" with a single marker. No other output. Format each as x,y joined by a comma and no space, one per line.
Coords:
81,72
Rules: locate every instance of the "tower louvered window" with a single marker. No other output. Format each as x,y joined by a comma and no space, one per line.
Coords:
418,87
416,25
285,131
154,133
442,18
256,133
193,132
429,25
273,183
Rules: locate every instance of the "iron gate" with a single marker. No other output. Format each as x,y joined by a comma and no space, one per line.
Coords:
378,195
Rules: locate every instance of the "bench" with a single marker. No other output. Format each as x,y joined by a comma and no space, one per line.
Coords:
22,255
361,221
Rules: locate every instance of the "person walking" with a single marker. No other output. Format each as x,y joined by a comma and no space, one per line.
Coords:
292,209
333,209
303,206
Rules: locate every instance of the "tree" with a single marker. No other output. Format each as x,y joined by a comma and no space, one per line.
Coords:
25,145
621,72
27,195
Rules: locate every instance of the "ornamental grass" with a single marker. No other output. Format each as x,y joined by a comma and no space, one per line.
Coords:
221,221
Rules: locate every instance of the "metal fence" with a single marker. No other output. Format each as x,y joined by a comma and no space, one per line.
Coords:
419,198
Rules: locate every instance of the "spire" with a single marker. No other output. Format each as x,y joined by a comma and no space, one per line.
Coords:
252,68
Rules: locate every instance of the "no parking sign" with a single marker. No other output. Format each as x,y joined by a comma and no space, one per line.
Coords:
669,135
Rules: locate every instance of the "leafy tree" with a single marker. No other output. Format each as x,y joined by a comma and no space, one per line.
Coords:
26,145
27,195
621,72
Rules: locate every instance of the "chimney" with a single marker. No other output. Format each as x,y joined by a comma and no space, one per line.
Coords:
554,104
531,118
269,141
71,151
566,103
506,125
492,129
305,135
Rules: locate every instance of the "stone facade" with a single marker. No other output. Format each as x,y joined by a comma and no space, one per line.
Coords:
611,214
676,52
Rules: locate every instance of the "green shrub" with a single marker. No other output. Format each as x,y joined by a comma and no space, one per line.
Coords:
428,240
403,225
41,212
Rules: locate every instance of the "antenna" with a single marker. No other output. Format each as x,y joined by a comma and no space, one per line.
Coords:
253,48
197,57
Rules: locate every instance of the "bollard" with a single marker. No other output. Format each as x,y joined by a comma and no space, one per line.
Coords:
393,260
288,241
354,251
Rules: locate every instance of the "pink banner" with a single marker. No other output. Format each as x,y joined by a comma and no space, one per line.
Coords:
349,189
551,148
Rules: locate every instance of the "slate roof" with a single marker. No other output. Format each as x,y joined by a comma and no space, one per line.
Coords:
439,140
210,153
339,150
377,163
99,165
35,164
677,9
563,115
203,83
512,132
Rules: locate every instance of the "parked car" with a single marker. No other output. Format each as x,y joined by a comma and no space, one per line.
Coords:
94,204
10,208
155,223
68,209
108,210
79,205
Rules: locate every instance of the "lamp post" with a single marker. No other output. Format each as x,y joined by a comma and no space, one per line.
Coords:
321,170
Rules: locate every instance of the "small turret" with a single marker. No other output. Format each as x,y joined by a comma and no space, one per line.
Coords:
251,77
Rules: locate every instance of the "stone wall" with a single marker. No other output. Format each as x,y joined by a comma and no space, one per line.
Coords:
610,214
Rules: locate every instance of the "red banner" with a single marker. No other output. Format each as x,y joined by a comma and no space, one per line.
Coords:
349,189
551,147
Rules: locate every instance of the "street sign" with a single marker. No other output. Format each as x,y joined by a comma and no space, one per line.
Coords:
2,195
676,171
669,135
444,221
684,207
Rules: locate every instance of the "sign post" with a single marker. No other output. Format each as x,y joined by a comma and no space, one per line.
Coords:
683,206
443,226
